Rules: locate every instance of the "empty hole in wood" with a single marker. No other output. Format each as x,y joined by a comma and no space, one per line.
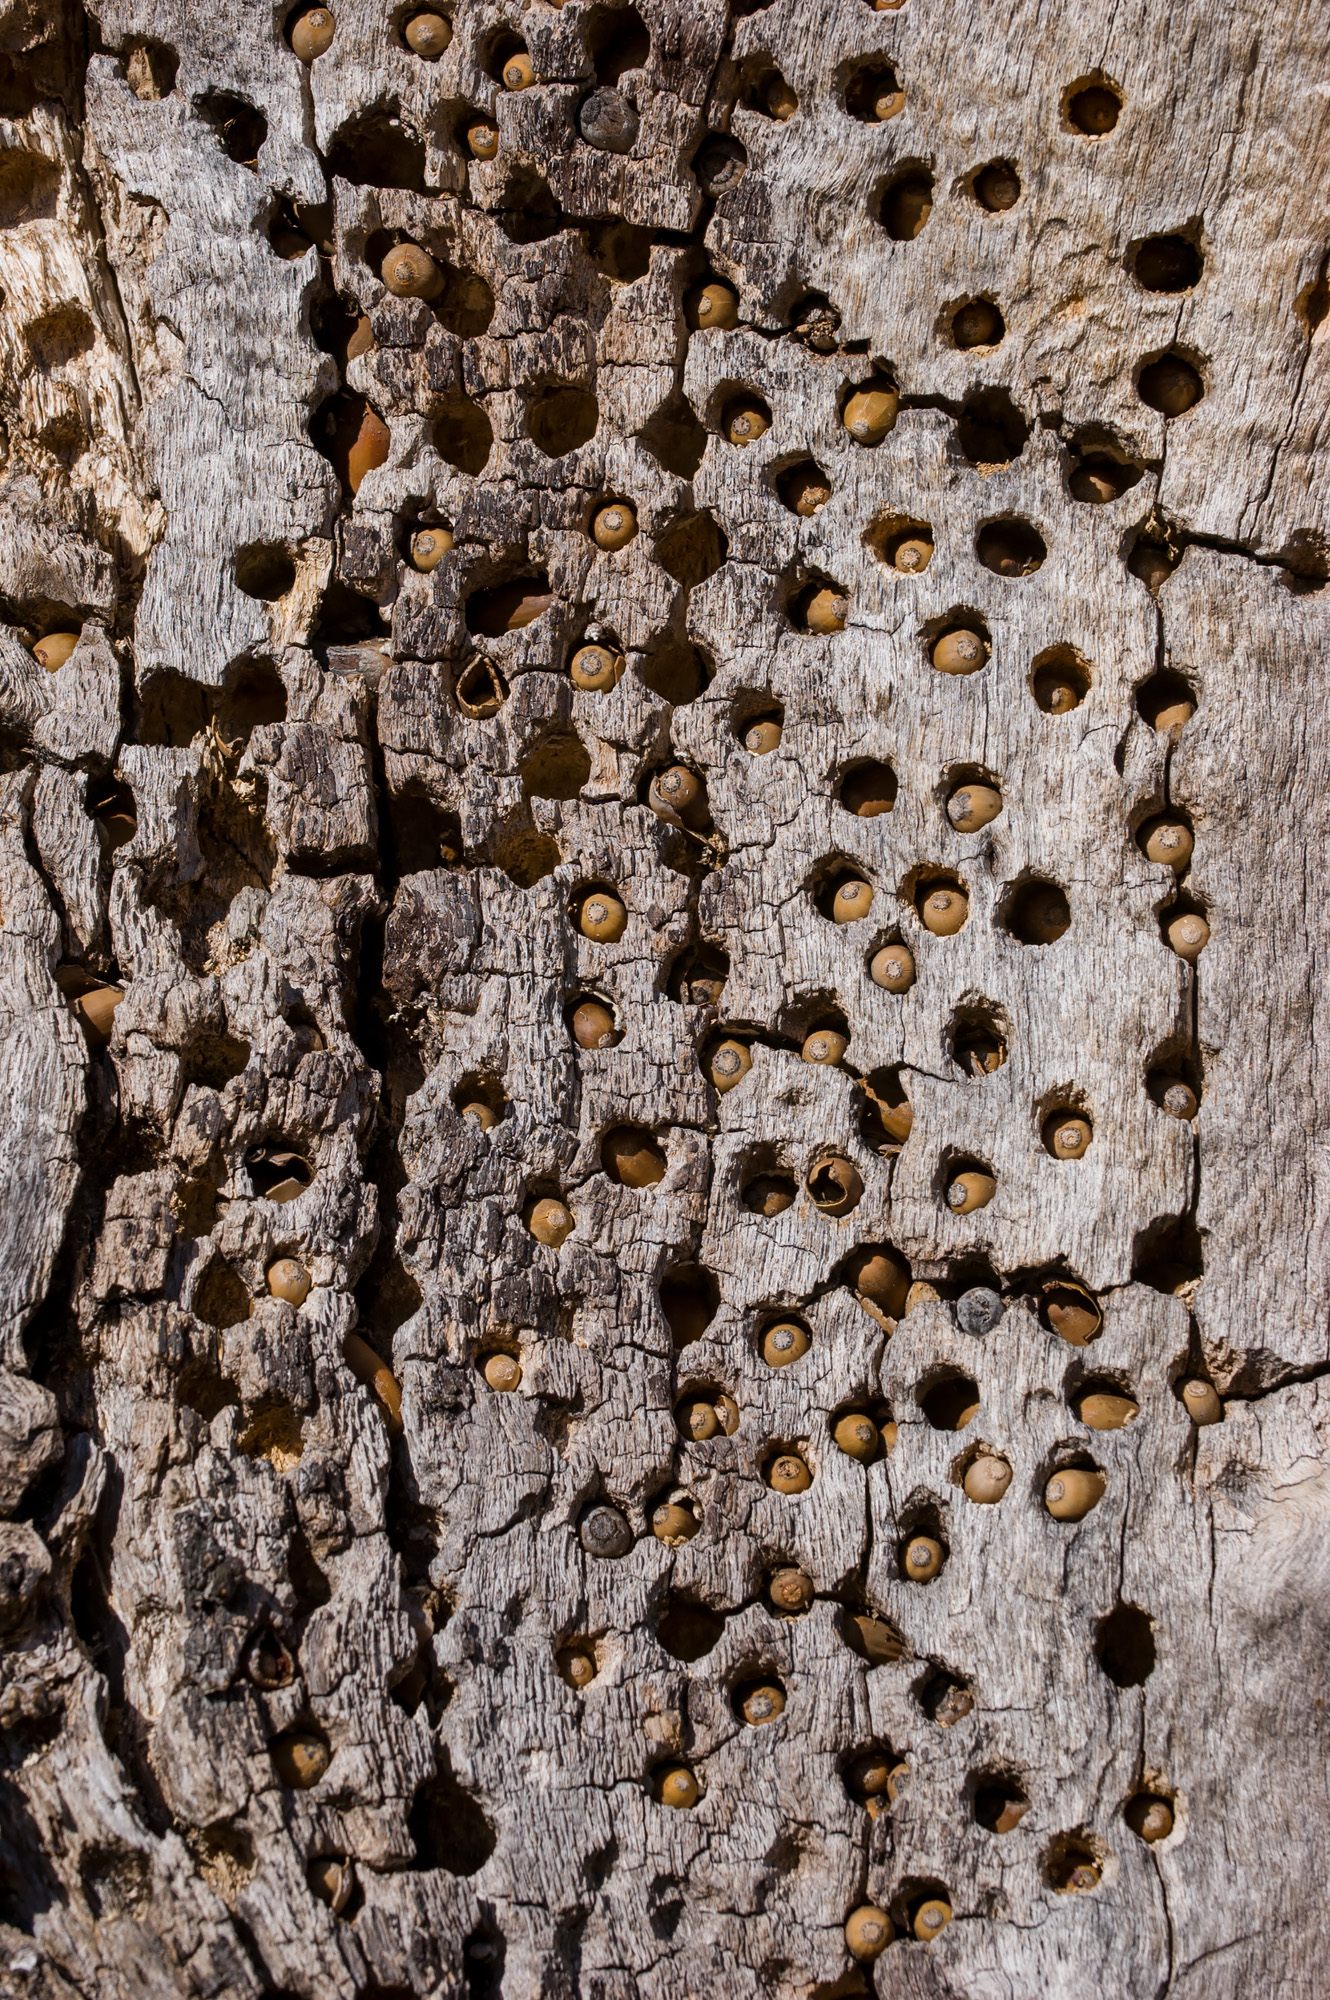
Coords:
374,148
675,670
525,854
529,211
277,1171
996,187
1072,1864
1124,1645
1169,262
466,304
560,417
1010,547
1166,701
617,40
173,710
689,1299
620,250
480,690
150,69
1036,912
907,202
1171,383
1099,471
1168,1255
265,570
557,767
949,1401
691,548
675,437
688,1629
991,430
221,1297
240,127
56,338
977,1038
868,788
463,435
448,1825
697,975
766,1186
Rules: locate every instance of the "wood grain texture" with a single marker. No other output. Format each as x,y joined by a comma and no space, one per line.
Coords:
288,1588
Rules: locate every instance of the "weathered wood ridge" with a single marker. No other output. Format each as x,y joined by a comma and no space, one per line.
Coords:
386,1586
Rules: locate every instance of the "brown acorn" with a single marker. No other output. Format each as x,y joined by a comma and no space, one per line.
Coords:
986,1479
922,1559
870,413
595,669
371,1369
54,649
602,917
852,900
288,1280
972,806
1072,1491
868,1932
728,1064
787,1473
312,34
678,1788
893,968
592,1025
960,651
429,546
1200,1400
784,1342
550,1221
427,35
410,272
712,305
503,1372
943,908
790,1591
969,1190
482,138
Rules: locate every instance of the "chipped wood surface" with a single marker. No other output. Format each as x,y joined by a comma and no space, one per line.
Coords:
251,1538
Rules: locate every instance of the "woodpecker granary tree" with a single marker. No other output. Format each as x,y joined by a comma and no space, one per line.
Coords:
663,936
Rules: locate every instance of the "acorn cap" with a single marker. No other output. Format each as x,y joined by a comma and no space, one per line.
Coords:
873,1638
922,1558
604,1532
868,1931
852,900
333,1880
595,669
870,413
959,652
1072,1312
857,1436
503,1372
312,33
728,1064
790,1590
783,1343
429,546
602,917
986,1479
787,1473
761,1704
892,967
288,1280
550,1221
1073,1491
835,1185
943,910
592,1025
427,35
410,272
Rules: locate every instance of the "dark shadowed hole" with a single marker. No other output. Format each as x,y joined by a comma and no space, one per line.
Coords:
907,204
1010,548
990,430
1167,1255
241,129
561,417
509,606
617,41
463,435
675,671
150,69
221,1297
1124,1646
620,250
674,437
265,570
557,768
1169,263
448,1827
345,617
173,710
375,149
529,213
689,1299
59,337
29,187
692,549
688,1630
466,306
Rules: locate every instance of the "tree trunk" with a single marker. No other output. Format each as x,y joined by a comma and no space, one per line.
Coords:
597,878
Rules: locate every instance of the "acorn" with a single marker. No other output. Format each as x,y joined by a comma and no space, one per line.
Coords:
1168,841
912,553
300,1758
480,1113
1057,691
518,72
960,651
1106,1410
893,968
857,1436
922,1559
1170,385
1073,1491
763,1703
972,806
769,1194
871,1773
836,1185
784,1342
1188,934
1149,1816
613,525
1201,1401
997,187
54,649
943,909
678,1788
728,1064
482,138
979,1310
576,1665
883,1277
712,305
1072,1312
824,610
778,99
727,1410
429,546
806,490
1067,1135
333,1880
674,1523
852,900
592,1025
677,795
763,736
604,1532
601,917
410,272
595,669
1170,712
373,1371
1175,1095
697,1419
787,1473
868,1931
745,421
977,324
790,1591
368,449
632,1157
427,35
550,1221
312,33
986,1479
873,1639
825,1046
96,1010
503,1372
870,413
361,337
931,1919
288,1280
970,1190
1094,110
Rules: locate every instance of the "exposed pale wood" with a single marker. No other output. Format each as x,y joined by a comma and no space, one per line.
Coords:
344,911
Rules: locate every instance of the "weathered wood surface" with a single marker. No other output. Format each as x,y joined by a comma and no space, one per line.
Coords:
344,911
